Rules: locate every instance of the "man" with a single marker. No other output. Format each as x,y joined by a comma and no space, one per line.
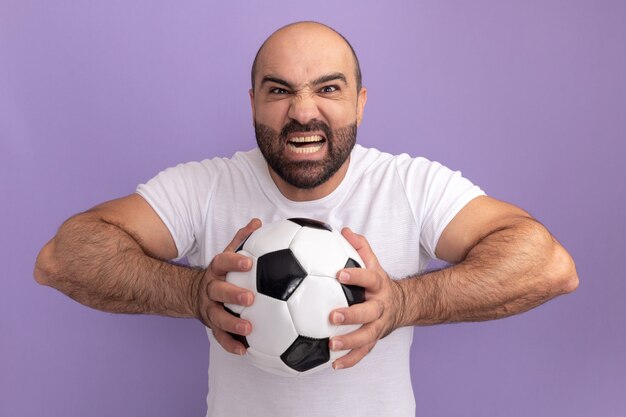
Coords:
307,101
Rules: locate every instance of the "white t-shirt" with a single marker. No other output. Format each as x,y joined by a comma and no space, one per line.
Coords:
401,205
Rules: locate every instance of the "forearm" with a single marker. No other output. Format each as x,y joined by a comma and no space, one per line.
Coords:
508,272
100,265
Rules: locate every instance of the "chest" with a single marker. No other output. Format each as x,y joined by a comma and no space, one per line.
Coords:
379,210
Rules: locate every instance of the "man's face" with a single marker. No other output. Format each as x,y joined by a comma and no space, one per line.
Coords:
305,105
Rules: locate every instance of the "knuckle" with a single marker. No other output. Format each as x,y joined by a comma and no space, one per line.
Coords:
377,331
352,361
210,315
373,333
380,305
245,231
223,339
210,289
214,316
364,315
240,236
380,280
204,318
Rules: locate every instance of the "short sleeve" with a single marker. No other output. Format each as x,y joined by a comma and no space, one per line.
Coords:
436,194
179,196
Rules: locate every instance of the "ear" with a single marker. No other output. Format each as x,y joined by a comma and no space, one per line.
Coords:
251,93
361,99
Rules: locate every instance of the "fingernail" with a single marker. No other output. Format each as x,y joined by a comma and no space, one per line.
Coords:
241,351
338,318
344,277
337,366
241,328
245,264
336,345
244,299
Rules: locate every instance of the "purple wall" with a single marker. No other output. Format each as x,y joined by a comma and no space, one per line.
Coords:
527,98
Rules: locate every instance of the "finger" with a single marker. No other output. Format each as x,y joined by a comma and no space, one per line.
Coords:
227,293
362,246
242,234
222,319
228,343
226,262
353,357
366,278
366,334
358,313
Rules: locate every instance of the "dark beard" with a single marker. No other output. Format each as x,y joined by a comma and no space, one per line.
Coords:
305,174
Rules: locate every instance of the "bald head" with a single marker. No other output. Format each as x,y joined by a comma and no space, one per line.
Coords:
302,35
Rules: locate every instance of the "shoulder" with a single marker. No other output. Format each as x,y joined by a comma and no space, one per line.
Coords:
210,168
371,161
197,180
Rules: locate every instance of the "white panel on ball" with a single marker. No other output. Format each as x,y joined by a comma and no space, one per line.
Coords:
310,306
345,329
319,252
245,280
272,328
271,237
336,354
350,251
271,364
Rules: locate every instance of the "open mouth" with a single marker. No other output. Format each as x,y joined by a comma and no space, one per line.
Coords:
306,144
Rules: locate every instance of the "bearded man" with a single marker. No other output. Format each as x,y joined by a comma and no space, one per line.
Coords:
307,102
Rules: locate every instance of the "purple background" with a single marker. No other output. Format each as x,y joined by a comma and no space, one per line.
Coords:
527,98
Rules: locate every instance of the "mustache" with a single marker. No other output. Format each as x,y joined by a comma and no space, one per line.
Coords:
312,126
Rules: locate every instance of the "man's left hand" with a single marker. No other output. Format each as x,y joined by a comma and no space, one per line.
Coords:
380,314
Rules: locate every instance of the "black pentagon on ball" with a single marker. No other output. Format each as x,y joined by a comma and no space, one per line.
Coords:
278,274
352,264
235,336
306,353
354,294
315,224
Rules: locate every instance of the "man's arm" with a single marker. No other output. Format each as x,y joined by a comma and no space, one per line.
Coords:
505,263
113,258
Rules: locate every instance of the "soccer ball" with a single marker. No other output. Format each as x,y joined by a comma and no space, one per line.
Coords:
293,278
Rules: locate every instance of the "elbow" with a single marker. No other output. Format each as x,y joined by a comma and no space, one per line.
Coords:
44,264
557,267
565,277
41,277
570,281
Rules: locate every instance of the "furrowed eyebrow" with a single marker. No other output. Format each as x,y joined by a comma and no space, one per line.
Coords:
321,80
272,79
330,77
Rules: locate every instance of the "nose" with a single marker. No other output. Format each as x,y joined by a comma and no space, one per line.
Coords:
303,108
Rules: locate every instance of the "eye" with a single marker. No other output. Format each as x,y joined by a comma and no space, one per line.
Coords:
278,90
329,89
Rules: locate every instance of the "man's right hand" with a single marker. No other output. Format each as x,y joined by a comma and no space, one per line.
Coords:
212,292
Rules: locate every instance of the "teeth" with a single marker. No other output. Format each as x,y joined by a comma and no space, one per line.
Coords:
305,139
313,144
306,149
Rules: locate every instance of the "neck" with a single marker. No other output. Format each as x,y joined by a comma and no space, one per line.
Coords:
300,194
